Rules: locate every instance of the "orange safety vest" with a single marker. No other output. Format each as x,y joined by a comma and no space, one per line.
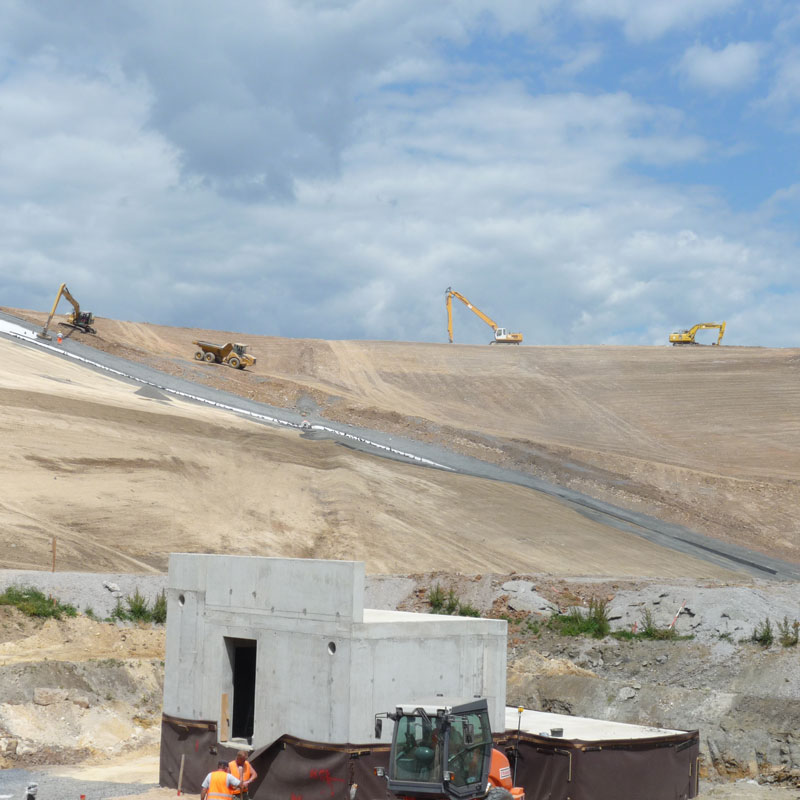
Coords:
218,786
247,771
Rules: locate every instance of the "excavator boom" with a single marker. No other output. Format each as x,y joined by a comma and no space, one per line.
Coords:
688,336
501,335
79,320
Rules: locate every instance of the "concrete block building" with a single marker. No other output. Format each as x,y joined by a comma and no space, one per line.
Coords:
267,647
280,658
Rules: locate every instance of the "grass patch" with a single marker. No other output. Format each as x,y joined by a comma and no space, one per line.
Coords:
763,633
467,610
449,604
34,603
648,630
788,634
160,608
436,599
651,631
591,622
137,609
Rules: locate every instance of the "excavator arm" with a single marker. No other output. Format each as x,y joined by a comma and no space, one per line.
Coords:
449,302
687,336
78,320
501,335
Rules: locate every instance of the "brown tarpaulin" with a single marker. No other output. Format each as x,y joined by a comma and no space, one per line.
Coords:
657,768
288,769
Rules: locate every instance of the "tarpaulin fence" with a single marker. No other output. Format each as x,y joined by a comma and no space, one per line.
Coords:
655,768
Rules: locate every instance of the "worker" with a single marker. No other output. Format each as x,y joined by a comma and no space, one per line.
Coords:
242,769
219,784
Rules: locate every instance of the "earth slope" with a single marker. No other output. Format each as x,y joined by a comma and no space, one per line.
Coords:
707,437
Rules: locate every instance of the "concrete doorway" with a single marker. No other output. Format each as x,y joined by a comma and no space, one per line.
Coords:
242,655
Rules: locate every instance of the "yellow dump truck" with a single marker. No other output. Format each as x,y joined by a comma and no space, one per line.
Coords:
234,354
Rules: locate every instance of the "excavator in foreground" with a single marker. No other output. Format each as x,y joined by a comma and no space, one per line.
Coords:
444,751
501,335
78,320
687,336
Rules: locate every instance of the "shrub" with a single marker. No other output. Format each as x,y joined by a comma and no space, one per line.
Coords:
119,614
436,599
160,608
651,631
467,610
787,634
33,603
138,607
592,622
451,603
763,634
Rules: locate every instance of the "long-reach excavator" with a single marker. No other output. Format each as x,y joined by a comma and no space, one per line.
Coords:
501,335
78,320
687,336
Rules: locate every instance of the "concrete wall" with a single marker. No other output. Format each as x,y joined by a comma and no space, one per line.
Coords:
325,665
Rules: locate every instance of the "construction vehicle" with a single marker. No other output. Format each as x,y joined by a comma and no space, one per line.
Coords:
445,751
501,335
234,354
687,336
78,320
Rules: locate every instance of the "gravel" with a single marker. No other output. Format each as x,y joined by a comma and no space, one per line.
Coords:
95,590
13,783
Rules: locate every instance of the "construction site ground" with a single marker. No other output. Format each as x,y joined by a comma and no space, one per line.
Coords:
122,475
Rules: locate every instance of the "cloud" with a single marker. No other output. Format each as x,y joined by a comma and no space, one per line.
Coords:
645,21
733,67
327,169
785,90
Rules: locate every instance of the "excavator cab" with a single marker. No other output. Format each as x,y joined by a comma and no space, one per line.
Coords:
439,751
78,320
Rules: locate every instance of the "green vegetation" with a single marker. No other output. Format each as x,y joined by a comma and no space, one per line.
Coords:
788,634
160,608
649,630
467,610
763,633
533,626
138,609
33,603
592,622
449,603
436,599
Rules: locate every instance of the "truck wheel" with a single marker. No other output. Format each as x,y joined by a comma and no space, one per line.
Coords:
210,359
199,355
234,362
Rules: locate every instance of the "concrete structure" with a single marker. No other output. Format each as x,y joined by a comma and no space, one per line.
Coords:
266,647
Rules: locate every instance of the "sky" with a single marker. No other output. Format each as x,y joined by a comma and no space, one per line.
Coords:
583,171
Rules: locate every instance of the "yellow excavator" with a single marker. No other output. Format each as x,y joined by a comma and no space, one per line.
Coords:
501,335
687,337
78,320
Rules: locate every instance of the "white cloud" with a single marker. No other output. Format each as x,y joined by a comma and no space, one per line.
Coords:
785,90
650,19
261,171
733,67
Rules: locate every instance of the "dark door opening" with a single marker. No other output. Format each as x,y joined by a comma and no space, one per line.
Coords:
242,655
